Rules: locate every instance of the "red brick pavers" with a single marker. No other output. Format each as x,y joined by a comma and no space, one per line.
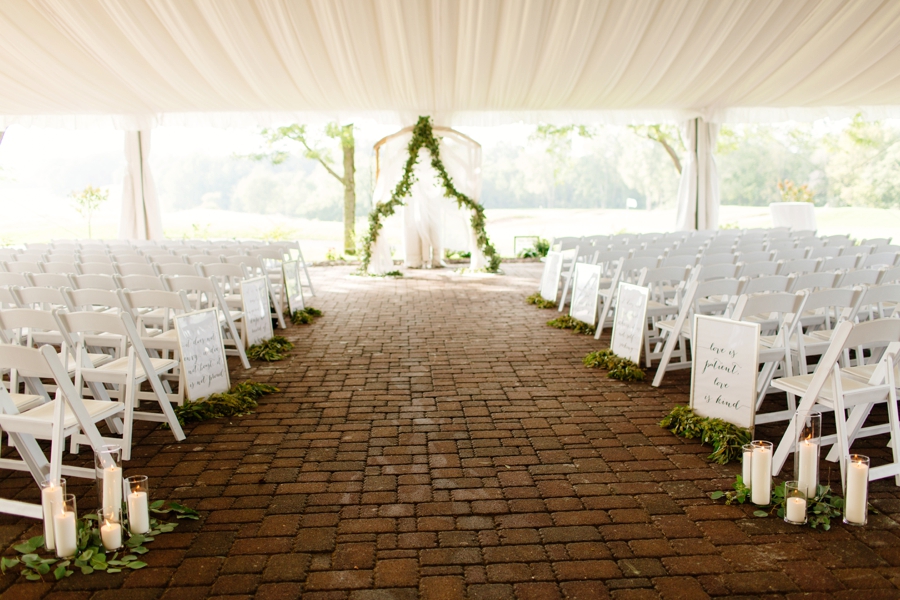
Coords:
435,439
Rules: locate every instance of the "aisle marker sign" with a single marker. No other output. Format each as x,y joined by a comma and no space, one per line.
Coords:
724,369
292,288
204,369
550,278
585,291
257,314
629,322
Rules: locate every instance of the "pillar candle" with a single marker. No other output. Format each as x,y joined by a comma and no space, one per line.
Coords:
49,495
66,539
808,478
761,493
112,490
746,463
138,513
855,496
796,510
111,535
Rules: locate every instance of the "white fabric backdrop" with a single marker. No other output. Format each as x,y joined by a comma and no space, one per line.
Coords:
137,63
698,190
141,218
431,222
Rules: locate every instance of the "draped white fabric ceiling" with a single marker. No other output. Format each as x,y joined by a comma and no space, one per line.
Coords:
146,62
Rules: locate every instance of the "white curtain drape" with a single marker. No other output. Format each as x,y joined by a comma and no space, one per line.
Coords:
431,221
698,190
171,62
141,218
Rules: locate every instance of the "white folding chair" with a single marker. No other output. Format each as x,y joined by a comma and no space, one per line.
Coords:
662,284
882,259
863,277
176,269
130,367
53,280
758,269
800,266
140,282
136,268
95,282
824,310
628,270
97,268
824,280
55,420
59,267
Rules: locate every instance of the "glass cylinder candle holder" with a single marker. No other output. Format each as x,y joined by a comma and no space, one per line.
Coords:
794,503
761,470
51,492
108,468
65,526
746,464
138,503
808,429
856,490
112,529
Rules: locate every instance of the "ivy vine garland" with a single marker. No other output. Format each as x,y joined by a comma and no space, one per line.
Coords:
423,137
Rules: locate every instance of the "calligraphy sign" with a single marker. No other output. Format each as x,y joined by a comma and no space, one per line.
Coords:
585,290
292,287
257,314
724,369
630,321
550,278
204,369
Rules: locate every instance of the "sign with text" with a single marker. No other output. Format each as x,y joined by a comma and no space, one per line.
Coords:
292,287
629,322
585,289
204,369
550,279
724,368
257,314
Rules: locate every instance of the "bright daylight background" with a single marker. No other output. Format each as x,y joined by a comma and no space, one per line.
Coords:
533,185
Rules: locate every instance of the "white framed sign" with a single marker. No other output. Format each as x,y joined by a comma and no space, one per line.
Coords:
257,314
550,278
585,290
724,369
204,369
292,287
630,321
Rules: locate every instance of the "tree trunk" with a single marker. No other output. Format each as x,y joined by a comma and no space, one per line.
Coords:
348,145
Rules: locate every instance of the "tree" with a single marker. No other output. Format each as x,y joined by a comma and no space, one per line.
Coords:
313,151
666,135
88,201
559,147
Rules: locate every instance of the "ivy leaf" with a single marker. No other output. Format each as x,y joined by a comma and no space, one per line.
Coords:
114,570
137,564
717,494
32,576
139,550
8,563
86,570
760,513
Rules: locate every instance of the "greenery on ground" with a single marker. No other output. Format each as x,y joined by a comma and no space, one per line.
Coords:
305,316
540,248
270,350
726,439
617,367
568,322
819,510
240,400
90,555
539,301
423,137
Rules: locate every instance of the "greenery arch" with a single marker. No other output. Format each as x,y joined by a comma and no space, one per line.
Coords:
423,137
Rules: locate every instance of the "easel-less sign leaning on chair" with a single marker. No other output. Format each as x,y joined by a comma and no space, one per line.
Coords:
204,369
257,315
629,322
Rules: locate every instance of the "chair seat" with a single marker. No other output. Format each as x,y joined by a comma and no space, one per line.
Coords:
43,414
25,402
865,372
669,325
96,359
798,385
119,366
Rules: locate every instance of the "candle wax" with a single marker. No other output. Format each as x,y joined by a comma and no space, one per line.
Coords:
747,473
49,495
138,512
112,490
761,492
66,540
808,479
111,534
855,496
796,510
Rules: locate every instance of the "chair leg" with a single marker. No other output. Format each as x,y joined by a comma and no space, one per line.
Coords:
668,349
128,426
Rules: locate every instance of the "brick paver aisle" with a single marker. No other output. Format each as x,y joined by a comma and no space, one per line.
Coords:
435,439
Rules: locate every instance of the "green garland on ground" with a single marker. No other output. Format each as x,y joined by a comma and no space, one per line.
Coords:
90,555
270,350
423,137
618,367
567,322
539,301
819,510
727,439
305,316
239,400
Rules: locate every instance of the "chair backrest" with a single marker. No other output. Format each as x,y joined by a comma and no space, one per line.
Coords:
228,276
13,279
95,282
201,259
147,305
140,282
44,298
59,267
775,312
39,326
97,268
839,304
846,261
136,268
710,272
800,266
892,275
88,299
759,269
875,241
57,280
131,257
857,250
91,257
815,281
863,277
782,246
679,260
823,252
203,291
632,267
883,259
715,288
22,266
756,256
177,269
724,258
165,259
792,254
879,301
768,283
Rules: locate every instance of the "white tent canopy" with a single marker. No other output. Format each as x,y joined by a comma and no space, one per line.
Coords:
138,63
